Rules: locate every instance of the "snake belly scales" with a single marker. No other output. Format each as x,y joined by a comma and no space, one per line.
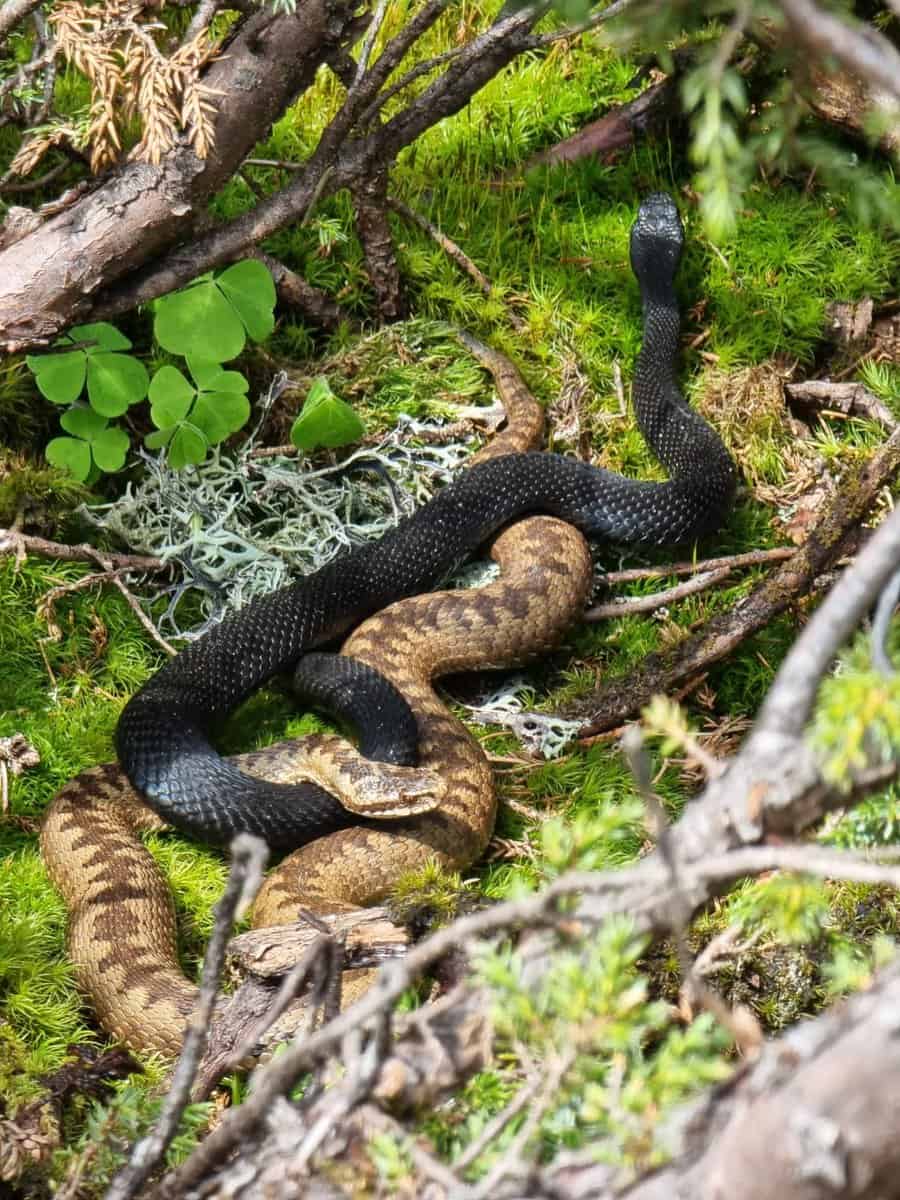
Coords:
122,937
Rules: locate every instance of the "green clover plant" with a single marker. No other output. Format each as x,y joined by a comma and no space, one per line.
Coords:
207,323
191,417
325,420
114,380
94,446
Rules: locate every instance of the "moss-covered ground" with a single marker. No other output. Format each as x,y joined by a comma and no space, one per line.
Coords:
555,246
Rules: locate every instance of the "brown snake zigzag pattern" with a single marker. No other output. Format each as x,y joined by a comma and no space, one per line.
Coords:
122,934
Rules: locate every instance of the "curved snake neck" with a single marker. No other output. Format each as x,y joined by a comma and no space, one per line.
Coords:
163,735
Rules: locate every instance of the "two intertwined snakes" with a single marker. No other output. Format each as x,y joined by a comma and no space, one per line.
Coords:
122,933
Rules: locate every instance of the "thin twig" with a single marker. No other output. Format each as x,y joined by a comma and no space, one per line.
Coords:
498,1123
787,708
248,860
422,68
203,15
22,544
369,41
628,606
451,249
134,604
32,185
729,40
752,558
612,10
513,1161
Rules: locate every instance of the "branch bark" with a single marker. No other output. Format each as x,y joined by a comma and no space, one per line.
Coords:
814,1117
54,275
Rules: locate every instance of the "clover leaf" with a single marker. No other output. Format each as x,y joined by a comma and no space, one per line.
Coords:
326,420
211,318
94,446
114,380
191,417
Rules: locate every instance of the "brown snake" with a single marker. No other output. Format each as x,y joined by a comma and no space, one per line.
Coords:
122,934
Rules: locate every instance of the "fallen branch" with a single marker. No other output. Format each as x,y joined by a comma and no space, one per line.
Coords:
49,600
752,558
616,129
627,606
847,398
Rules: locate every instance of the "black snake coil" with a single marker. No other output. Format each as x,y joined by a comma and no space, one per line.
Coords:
163,734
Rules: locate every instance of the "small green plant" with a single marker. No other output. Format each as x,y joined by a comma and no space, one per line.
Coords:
325,420
207,323
94,444
212,317
114,380
191,417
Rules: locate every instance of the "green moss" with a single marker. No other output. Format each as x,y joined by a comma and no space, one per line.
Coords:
555,246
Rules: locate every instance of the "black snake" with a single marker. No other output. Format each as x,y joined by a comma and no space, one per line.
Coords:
163,736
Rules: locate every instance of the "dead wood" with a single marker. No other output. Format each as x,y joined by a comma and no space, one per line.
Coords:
849,398
616,129
137,235
812,1118
54,275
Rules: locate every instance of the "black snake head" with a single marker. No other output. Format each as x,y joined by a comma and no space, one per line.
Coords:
657,237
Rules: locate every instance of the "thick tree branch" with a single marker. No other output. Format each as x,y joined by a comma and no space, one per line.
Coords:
814,1117
338,161
55,274
860,48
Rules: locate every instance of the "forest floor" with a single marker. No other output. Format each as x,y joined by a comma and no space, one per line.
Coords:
554,246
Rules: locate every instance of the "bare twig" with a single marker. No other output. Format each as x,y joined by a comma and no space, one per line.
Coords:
369,41
450,248
730,39
22,544
33,185
248,860
135,605
295,292
752,558
612,10
203,15
628,606
50,599
512,1162
498,1123
787,707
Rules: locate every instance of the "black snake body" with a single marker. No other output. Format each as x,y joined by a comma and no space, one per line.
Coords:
163,737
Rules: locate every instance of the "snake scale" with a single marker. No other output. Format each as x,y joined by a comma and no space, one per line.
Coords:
122,933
